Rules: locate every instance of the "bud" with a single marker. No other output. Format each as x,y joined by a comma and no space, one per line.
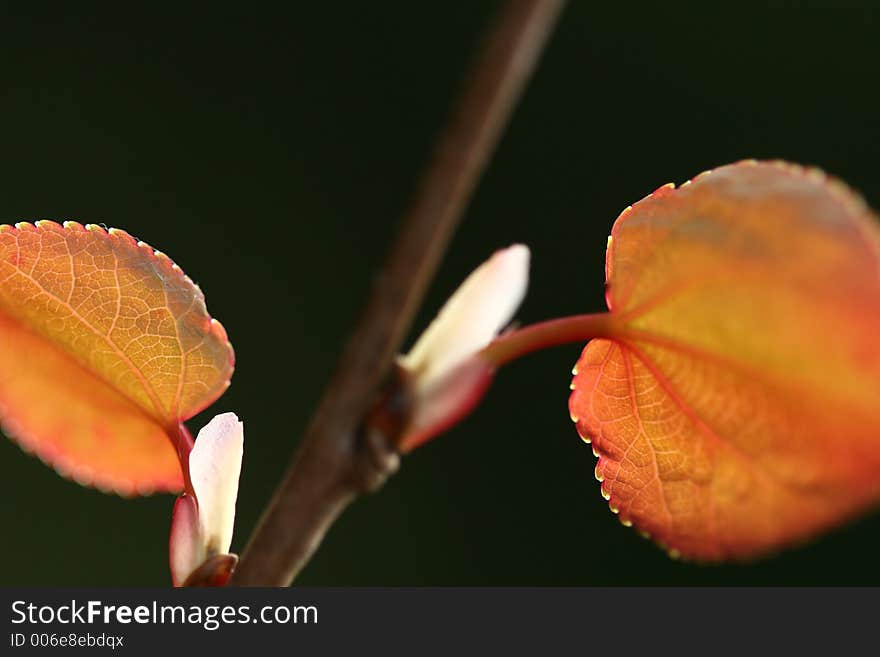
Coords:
444,374
203,517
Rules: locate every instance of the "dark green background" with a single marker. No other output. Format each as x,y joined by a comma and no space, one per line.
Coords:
272,154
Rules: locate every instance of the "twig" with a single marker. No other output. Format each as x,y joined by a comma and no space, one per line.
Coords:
335,463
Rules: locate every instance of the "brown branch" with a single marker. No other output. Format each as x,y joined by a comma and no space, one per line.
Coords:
335,463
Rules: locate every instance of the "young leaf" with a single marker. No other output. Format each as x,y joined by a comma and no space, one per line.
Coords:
735,408
105,347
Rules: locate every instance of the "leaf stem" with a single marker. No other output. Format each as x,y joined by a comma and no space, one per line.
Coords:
335,461
576,328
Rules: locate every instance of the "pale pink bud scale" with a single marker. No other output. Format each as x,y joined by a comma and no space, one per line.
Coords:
202,527
446,372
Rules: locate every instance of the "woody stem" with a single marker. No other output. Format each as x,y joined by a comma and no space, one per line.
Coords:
335,461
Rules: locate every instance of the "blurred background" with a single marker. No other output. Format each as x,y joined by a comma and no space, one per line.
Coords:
272,154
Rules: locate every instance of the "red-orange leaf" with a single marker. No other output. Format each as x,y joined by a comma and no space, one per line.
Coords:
105,346
736,407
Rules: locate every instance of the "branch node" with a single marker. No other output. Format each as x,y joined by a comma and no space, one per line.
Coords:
378,458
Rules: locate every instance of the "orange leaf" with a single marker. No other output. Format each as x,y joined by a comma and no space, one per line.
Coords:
105,346
735,408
